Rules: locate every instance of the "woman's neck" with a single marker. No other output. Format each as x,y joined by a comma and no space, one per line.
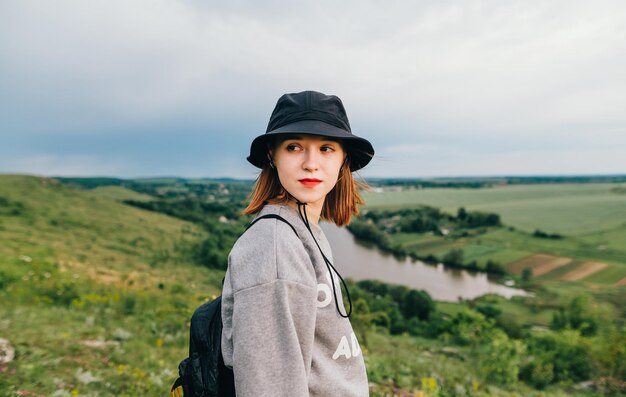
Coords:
313,210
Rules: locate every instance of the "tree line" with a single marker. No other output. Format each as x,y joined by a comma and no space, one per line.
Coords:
379,226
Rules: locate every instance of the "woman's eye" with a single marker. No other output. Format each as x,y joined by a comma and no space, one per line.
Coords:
292,147
327,149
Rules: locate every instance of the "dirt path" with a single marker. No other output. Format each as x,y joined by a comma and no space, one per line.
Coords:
583,271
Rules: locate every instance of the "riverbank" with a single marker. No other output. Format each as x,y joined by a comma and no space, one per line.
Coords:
362,261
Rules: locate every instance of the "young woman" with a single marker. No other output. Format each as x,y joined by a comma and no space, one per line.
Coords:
286,330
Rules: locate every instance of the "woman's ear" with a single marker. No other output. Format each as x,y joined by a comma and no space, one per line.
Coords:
269,157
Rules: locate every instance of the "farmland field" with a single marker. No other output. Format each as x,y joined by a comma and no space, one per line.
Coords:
570,209
584,270
539,263
590,218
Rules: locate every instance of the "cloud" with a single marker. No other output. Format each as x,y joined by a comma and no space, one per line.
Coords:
454,161
510,75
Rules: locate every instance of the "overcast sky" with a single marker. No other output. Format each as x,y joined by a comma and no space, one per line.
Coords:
440,88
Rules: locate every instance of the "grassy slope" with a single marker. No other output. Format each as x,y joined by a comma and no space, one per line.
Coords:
78,266
87,231
119,193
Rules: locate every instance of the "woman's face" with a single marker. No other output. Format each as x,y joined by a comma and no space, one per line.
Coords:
308,166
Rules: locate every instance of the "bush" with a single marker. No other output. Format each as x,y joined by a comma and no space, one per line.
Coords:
5,279
494,267
208,253
468,327
128,304
489,311
417,304
453,257
566,351
11,208
539,374
527,274
577,315
58,293
398,303
369,232
500,358
609,350
478,219
540,234
394,319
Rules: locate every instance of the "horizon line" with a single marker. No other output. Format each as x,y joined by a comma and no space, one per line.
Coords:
501,176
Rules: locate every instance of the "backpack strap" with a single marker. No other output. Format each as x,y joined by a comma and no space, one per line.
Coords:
270,216
273,216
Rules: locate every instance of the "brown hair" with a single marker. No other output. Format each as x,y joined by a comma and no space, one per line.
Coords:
340,204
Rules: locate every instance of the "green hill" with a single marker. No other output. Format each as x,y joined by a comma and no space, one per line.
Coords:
96,295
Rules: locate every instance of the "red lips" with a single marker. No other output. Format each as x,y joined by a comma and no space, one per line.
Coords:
309,182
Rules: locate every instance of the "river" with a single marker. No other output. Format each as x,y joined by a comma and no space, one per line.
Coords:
358,261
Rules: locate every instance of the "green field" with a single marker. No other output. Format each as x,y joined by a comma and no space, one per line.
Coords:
575,209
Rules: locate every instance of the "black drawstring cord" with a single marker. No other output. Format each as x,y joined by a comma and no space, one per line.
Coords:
329,265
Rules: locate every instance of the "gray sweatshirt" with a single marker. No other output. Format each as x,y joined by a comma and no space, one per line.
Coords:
282,334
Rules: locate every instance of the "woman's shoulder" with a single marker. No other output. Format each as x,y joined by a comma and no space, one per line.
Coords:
269,250
263,234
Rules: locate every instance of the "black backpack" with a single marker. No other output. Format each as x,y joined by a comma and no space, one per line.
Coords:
203,373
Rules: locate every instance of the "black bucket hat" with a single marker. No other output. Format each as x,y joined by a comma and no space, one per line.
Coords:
314,113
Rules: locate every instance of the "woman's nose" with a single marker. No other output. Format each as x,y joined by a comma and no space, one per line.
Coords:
311,160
